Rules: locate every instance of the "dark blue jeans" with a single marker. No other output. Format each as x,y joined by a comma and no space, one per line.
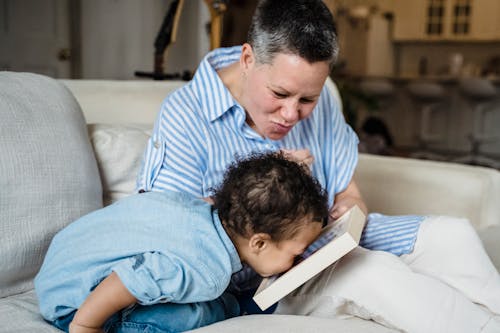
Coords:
166,317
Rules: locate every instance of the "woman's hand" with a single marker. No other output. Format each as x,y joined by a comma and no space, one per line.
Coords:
300,156
76,328
346,200
342,206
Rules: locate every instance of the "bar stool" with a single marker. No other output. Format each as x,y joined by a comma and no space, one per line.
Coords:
430,96
374,134
480,93
377,87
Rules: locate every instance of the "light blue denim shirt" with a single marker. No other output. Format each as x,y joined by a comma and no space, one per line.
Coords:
164,246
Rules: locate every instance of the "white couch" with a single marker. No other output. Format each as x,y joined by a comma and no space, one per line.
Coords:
120,115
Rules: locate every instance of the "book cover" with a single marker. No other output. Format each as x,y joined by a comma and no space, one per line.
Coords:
336,240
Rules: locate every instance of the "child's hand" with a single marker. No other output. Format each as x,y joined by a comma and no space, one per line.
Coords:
301,156
75,328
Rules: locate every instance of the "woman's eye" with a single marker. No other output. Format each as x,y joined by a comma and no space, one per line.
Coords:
279,95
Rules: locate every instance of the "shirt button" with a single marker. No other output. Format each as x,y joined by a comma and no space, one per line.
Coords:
156,144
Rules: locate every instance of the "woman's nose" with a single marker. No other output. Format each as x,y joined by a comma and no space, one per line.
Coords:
290,112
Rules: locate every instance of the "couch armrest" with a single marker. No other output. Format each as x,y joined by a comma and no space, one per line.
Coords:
393,185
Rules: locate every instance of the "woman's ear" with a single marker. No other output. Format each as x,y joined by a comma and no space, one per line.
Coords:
259,242
247,58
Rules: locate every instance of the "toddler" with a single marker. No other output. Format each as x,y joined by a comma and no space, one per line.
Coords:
129,265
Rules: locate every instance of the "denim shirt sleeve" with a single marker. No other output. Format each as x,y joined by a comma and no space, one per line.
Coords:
153,277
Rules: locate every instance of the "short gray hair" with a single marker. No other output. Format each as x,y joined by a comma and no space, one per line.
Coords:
301,27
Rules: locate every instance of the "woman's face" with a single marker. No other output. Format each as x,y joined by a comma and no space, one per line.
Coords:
277,96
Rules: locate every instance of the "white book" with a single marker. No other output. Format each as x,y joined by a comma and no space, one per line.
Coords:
336,240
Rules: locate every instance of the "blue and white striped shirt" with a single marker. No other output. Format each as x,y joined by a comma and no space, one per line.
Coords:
201,128
395,234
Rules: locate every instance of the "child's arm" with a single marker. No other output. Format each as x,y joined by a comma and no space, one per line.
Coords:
109,297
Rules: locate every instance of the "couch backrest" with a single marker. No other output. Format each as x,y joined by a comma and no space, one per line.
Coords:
121,102
128,102
393,185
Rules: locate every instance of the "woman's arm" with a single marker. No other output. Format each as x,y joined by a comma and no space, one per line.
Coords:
347,199
109,297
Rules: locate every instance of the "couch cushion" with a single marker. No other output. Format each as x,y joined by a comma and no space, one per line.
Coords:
119,150
20,314
293,324
48,172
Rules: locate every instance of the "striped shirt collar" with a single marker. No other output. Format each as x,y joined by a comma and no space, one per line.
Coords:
208,83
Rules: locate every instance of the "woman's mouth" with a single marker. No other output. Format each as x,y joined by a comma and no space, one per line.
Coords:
279,128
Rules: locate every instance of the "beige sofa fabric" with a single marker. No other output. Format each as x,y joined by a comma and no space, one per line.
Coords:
120,102
20,314
48,173
394,185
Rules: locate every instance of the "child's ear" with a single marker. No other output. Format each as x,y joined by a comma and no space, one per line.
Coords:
259,242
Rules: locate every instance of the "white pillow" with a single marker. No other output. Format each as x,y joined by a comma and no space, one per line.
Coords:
119,150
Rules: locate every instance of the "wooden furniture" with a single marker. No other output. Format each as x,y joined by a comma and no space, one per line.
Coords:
166,36
217,9
450,20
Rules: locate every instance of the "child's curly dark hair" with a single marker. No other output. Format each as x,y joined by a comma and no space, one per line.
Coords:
265,192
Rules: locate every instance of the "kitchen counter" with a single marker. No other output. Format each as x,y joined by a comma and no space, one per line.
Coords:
412,77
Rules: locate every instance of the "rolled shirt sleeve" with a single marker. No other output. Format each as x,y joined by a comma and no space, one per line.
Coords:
153,277
171,161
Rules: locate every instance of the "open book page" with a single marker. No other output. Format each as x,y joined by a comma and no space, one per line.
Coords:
336,239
